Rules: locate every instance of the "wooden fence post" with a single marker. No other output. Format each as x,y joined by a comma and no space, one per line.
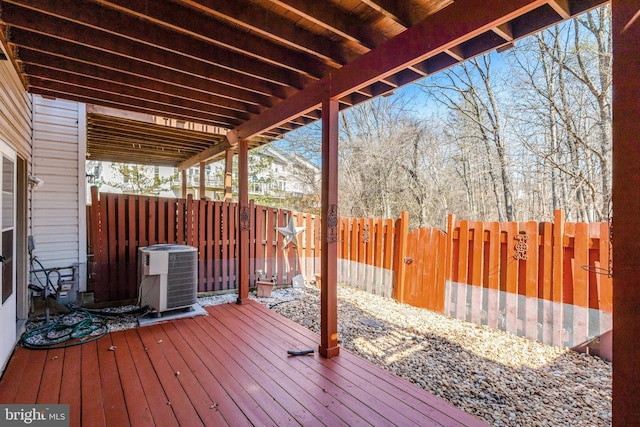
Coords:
557,284
95,237
448,272
451,220
400,252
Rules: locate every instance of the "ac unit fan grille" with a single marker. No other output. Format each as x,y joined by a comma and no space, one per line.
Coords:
182,279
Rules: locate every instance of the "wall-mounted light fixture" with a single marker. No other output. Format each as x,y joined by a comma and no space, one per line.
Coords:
34,182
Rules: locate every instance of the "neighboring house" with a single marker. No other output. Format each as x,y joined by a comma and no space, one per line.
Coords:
106,177
273,174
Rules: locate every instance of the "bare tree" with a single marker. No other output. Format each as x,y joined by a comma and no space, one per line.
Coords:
564,90
470,93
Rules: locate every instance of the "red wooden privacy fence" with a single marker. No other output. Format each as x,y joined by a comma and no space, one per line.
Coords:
121,223
547,281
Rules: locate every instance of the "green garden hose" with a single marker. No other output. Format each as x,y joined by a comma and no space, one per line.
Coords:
63,333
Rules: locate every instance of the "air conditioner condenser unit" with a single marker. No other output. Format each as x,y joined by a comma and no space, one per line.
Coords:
167,277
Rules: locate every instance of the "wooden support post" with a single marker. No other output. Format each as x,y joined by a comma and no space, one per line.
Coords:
626,202
203,187
184,183
228,175
400,253
244,222
329,258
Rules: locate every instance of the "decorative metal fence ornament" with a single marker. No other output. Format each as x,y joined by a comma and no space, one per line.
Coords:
365,234
245,219
332,224
290,233
521,246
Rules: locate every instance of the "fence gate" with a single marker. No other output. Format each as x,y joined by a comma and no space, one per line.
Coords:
425,265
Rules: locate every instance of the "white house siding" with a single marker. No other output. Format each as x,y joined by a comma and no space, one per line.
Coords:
58,214
15,131
15,111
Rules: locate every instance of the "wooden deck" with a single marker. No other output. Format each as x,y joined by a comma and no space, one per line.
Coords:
228,368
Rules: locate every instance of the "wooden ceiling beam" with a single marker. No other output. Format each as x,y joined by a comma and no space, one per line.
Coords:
336,20
163,100
407,13
101,143
149,137
504,31
64,66
93,26
114,124
172,15
456,53
272,26
129,127
562,8
444,30
207,154
341,23
134,158
108,142
33,43
55,89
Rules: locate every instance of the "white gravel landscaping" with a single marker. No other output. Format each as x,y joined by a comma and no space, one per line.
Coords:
501,378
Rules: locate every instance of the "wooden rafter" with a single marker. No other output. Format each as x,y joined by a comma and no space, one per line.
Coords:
232,64
406,13
199,26
151,45
264,22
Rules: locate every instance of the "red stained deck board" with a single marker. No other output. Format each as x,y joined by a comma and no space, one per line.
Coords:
203,347
321,385
49,390
13,375
203,404
234,370
31,378
230,410
152,389
135,400
409,400
250,394
278,372
277,402
177,397
71,371
92,404
115,410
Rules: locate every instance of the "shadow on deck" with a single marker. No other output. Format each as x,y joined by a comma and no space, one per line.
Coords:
228,368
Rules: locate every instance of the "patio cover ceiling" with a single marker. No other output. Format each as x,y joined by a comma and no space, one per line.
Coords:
137,138
256,69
